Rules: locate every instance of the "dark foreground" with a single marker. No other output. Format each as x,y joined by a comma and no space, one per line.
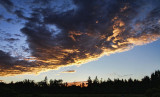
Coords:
81,95
149,86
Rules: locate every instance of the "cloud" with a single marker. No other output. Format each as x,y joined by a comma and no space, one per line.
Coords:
5,58
10,66
18,35
7,4
119,76
84,30
126,75
11,39
69,71
1,17
9,20
41,2
20,13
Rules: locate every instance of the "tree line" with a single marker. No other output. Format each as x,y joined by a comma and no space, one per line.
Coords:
149,85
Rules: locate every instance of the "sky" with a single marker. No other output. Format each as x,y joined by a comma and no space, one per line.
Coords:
75,39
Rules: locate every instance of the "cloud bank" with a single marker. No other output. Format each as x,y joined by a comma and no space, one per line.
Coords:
63,33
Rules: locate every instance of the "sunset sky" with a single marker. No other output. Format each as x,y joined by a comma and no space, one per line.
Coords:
74,39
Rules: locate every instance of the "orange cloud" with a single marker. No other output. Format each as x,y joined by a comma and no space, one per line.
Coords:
69,71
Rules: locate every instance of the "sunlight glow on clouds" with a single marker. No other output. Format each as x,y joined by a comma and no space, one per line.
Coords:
84,32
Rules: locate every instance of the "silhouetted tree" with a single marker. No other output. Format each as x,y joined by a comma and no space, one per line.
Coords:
66,84
96,81
89,81
46,80
43,83
56,83
83,85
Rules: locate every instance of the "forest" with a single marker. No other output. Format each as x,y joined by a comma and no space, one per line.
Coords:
148,85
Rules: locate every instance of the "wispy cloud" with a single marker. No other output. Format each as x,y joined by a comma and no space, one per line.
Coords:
119,75
68,71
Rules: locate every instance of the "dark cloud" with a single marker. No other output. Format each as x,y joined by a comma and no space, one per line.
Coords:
20,13
25,49
7,4
42,1
9,20
1,17
13,65
5,33
5,58
18,35
11,39
87,30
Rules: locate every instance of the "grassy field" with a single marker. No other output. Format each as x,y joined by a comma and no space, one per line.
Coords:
81,95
